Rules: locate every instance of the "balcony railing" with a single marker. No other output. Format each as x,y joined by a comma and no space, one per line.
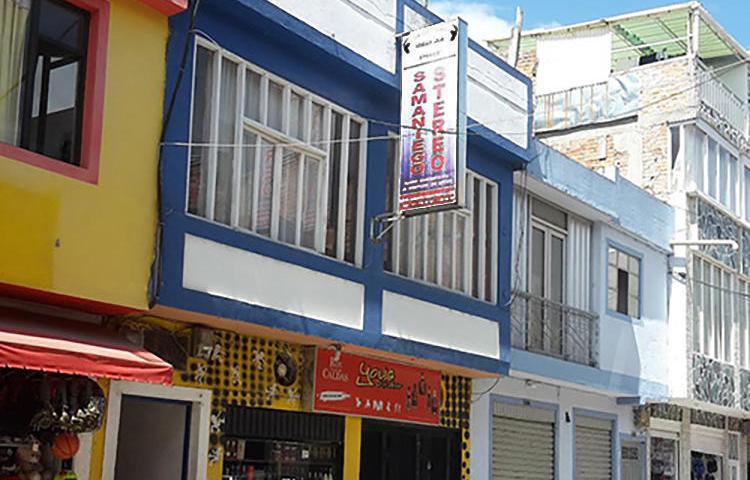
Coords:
616,98
543,326
722,101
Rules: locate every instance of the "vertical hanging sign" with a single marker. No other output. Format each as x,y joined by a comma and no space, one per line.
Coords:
433,118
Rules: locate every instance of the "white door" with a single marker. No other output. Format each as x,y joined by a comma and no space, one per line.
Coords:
632,457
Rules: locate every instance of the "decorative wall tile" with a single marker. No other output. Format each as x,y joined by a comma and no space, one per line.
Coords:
713,381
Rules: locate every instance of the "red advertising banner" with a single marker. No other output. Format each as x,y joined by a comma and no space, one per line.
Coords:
354,385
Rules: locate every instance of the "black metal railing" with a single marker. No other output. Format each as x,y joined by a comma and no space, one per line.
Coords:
545,326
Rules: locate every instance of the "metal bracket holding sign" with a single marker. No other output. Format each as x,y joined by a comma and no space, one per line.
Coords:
432,157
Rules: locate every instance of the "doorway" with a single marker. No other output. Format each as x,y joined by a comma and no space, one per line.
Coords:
395,451
155,431
153,439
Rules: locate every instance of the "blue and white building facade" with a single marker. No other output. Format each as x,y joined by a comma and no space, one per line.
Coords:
279,152
589,328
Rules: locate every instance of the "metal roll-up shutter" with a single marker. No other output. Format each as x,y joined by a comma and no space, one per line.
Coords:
593,448
523,443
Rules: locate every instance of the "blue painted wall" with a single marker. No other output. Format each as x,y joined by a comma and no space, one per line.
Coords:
268,37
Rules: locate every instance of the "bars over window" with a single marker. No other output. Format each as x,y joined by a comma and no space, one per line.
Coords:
271,158
454,249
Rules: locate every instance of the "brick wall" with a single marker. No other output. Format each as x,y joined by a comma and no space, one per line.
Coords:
640,149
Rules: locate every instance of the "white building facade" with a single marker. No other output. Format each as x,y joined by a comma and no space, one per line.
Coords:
662,96
588,328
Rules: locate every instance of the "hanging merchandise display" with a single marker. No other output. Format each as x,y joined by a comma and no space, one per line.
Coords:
43,415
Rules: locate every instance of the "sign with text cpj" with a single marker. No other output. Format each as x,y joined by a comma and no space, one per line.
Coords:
433,118
354,385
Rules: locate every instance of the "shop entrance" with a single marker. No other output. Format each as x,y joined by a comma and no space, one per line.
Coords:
395,451
153,438
155,431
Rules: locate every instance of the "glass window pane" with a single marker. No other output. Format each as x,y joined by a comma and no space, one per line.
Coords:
548,213
418,229
622,261
311,184
611,276
612,299
62,24
476,207
290,165
317,126
712,173
447,260
201,130
404,240
247,177
612,256
557,269
634,265
460,254
12,60
727,319
390,174
432,235
275,101
622,291
537,274
489,239
352,189
334,180
265,189
252,95
733,184
724,176
227,129
697,289
297,116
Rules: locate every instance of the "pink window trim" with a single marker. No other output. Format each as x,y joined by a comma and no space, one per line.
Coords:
93,104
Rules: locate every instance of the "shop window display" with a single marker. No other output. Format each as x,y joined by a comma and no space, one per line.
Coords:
704,466
664,459
42,417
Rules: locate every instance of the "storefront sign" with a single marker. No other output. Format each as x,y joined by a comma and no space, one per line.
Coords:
354,385
433,118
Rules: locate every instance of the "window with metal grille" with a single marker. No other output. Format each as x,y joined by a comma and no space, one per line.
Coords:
271,158
457,249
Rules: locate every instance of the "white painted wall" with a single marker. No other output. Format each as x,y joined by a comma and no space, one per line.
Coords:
573,60
736,79
564,398
634,347
497,100
411,319
228,272
365,26
494,98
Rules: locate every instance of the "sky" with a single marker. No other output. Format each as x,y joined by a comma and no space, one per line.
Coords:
489,19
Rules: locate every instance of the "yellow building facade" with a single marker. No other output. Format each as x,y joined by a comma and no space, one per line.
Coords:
70,233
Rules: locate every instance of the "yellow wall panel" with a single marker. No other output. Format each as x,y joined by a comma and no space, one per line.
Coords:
96,241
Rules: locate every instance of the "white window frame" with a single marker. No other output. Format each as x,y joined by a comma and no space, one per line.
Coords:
734,204
407,226
723,331
303,147
639,260
200,413
549,231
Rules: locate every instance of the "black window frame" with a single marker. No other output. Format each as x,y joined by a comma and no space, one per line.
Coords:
36,43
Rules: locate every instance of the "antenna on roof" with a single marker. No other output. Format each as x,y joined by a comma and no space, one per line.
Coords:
515,38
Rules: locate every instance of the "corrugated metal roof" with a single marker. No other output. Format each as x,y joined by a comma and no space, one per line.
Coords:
659,31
